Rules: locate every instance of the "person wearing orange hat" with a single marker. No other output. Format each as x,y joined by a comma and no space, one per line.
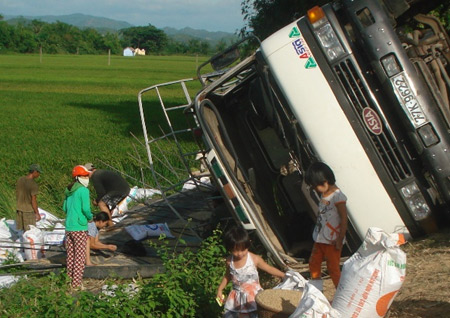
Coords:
26,198
78,214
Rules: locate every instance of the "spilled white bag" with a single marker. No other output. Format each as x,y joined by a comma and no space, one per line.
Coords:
292,281
7,281
314,304
55,237
135,194
33,243
9,243
139,232
47,220
372,277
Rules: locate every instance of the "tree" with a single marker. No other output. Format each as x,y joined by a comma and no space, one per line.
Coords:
263,17
175,47
6,35
111,41
148,37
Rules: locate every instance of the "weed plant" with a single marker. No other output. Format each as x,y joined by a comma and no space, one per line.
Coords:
66,110
187,288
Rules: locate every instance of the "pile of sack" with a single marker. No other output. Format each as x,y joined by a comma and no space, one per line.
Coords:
18,245
50,231
370,280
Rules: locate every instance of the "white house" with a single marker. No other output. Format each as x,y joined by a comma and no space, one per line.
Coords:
128,51
139,51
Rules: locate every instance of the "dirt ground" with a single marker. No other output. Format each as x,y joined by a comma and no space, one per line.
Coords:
426,290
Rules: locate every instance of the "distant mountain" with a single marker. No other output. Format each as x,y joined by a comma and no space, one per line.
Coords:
104,25
186,34
79,20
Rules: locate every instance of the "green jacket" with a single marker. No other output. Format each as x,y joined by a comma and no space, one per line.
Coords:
77,207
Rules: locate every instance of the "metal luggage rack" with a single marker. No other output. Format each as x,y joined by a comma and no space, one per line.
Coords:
168,144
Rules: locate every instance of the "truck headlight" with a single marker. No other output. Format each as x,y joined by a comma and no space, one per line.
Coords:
415,201
325,34
428,135
329,41
390,65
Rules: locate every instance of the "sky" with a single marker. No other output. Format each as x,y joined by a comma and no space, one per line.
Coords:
210,15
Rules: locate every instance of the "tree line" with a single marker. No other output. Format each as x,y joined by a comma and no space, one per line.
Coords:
61,38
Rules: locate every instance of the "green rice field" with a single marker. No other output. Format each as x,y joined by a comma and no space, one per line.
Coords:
64,110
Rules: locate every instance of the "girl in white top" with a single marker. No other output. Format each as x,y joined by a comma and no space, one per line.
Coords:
242,272
331,226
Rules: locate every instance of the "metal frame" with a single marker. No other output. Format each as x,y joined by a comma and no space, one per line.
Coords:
172,134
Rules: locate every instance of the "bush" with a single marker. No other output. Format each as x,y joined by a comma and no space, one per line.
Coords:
187,288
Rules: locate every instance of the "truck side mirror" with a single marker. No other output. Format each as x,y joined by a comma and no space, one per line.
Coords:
225,58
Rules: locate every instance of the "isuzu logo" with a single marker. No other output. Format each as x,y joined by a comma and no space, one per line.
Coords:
372,121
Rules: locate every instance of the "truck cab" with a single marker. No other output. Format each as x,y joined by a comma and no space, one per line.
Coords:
346,86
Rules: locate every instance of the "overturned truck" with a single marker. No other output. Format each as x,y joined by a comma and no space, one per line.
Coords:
348,85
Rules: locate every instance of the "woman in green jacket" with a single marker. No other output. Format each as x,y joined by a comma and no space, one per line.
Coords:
78,213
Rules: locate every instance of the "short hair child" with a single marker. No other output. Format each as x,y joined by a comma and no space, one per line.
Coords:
319,173
236,238
331,225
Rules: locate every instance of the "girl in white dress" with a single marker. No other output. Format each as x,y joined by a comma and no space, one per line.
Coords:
242,272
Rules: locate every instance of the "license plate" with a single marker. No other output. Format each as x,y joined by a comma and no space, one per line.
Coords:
408,101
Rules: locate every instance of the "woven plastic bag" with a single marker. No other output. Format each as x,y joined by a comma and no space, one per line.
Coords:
314,304
372,276
33,243
292,281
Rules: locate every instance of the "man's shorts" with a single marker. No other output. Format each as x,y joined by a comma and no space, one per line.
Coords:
111,200
23,219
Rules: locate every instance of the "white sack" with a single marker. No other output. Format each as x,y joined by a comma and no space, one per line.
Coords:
33,243
47,219
6,233
314,304
8,244
139,232
292,281
372,276
55,237
10,249
11,224
135,194
203,182
7,281
158,229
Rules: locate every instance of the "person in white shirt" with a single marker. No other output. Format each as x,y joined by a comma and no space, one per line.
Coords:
331,225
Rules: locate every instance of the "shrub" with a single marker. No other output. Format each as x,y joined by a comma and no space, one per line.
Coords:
187,288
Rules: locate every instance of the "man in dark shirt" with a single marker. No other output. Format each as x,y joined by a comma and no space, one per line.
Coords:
110,188
26,192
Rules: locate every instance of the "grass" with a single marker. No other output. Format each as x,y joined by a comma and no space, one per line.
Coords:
73,109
